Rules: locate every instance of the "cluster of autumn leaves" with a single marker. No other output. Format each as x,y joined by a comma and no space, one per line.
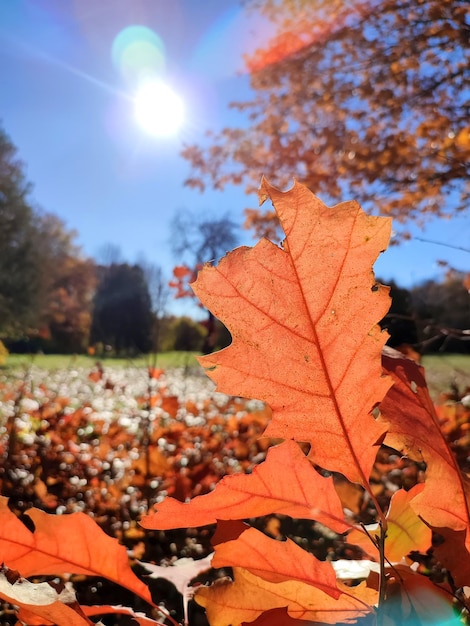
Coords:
303,318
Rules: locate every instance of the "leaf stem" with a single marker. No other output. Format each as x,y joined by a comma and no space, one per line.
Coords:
383,579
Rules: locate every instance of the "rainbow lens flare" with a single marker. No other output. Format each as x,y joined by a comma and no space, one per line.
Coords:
138,53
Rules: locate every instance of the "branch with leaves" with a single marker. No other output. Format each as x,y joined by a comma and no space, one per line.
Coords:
362,98
306,341
290,311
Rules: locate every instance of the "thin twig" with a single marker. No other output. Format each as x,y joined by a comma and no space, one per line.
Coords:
383,580
442,243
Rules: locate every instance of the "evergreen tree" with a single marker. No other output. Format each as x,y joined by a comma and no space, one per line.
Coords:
122,310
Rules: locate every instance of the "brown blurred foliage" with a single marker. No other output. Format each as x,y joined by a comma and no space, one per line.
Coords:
372,94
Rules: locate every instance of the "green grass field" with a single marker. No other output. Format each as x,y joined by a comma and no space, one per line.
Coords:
442,371
60,361
445,370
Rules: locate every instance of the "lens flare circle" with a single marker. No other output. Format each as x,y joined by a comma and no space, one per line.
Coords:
159,111
138,52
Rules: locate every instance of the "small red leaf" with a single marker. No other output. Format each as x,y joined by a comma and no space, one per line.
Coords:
414,429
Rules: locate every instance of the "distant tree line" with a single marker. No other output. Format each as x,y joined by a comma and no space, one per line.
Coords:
432,316
53,299
46,284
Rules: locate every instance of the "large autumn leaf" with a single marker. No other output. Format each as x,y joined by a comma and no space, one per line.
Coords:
249,596
285,483
414,429
303,318
64,544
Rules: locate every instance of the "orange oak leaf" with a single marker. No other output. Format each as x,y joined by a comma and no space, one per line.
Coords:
276,561
284,483
405,530
303,318
64,544
41,603
248,596
181,271
414,429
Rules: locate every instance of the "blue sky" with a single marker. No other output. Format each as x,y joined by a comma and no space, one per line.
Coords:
68,108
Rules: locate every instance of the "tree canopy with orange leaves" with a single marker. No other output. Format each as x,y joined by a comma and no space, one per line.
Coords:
367,99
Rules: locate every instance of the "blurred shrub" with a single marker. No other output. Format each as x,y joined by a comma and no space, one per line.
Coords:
3,353
183,333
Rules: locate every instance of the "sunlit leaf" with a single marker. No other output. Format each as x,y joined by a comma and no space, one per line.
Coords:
303,319
278,617
64,544
285,483
275,561
249,596
414,429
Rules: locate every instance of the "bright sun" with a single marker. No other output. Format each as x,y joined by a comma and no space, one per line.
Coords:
158,109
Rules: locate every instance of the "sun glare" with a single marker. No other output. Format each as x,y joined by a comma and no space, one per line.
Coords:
158,109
